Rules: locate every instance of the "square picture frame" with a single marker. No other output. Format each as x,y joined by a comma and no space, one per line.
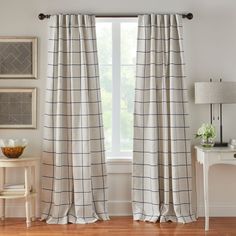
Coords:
18,108
18,57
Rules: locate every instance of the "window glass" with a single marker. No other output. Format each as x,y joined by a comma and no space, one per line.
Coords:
116,40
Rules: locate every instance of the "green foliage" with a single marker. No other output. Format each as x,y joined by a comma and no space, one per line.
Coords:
127,81
126,105
106,95
206,131
104,43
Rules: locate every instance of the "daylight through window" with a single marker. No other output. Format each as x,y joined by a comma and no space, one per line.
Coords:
116,39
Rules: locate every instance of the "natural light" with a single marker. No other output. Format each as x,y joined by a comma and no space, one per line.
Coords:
116,39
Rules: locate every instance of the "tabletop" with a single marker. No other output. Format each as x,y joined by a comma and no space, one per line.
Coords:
215,149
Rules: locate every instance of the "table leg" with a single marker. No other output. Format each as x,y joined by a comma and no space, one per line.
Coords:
33,184
27,197
196,178
3,200
206,198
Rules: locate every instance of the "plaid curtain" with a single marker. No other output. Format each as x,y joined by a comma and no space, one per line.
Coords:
161,157
74,181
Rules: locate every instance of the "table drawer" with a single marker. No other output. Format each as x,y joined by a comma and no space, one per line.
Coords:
231,156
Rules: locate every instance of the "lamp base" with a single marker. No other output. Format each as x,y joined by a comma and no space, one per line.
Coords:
221,145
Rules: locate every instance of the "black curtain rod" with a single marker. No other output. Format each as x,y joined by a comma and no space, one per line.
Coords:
42,16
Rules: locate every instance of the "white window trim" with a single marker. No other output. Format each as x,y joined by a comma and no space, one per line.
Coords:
116,156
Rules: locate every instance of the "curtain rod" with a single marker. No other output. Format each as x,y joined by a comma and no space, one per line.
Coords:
42,16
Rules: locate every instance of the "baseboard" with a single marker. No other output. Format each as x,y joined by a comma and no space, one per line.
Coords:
124,208
218,210
116,208
15,211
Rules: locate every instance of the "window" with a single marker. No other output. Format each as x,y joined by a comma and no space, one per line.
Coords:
116,39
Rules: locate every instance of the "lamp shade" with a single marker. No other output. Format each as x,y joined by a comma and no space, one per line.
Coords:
215,92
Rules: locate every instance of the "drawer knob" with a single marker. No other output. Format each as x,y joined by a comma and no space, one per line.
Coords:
235,155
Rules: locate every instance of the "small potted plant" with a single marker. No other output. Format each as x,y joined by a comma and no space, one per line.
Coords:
207,133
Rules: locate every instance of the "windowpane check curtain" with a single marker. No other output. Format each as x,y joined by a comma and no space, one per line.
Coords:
161,159
74,187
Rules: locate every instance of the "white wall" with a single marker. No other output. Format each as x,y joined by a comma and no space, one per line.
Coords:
210,52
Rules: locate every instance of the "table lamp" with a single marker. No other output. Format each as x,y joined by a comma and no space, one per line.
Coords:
216,93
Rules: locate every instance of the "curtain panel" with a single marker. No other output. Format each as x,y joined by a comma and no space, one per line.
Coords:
161,157
74,180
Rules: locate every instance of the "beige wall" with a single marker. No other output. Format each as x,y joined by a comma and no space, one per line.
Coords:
210,52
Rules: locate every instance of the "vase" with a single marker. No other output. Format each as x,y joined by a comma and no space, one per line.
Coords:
207,142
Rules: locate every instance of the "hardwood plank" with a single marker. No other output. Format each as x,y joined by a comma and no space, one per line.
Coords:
117,226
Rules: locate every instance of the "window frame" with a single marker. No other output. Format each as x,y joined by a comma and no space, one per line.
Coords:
116,153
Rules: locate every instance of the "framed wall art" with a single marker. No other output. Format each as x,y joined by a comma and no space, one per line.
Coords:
18,108
18,57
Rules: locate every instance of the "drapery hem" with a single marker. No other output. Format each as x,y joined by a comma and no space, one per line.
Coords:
162,219
72,219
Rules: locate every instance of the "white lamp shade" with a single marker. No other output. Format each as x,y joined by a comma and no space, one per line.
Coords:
215,92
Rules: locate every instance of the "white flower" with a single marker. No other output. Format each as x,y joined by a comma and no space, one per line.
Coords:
206,131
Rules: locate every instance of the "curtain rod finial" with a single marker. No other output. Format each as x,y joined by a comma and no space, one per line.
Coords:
188,16
42,16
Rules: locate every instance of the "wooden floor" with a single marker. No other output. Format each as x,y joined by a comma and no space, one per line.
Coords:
118,226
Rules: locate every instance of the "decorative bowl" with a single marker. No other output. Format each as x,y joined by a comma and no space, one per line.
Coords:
12,152
13,148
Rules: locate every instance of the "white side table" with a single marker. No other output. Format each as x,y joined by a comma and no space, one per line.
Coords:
208,157
30,165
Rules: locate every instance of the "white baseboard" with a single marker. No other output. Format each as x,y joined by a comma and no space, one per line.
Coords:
218,210
124,208
116,208
15,211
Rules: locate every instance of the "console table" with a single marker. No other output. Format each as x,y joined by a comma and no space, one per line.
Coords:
29,164
208,157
